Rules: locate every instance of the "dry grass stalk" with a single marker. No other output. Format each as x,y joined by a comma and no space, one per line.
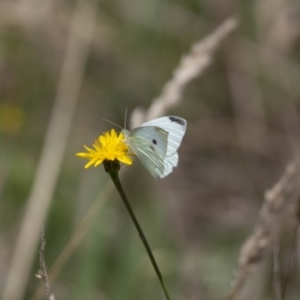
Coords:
285,191
191,65
293,261
298,245
56,140
277,287
42,273
78,235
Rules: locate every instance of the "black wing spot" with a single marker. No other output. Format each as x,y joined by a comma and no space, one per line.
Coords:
154,142
177,120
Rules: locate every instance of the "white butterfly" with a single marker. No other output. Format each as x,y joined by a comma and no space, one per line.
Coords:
155,143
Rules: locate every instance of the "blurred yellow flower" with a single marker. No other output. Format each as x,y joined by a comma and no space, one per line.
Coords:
109,146
12,118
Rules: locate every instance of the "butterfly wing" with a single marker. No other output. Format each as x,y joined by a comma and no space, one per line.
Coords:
175,127
155,143
169,163
149,144
156,137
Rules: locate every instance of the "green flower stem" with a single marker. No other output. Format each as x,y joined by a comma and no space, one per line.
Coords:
113,171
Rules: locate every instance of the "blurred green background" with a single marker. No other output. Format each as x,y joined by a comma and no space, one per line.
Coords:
243,128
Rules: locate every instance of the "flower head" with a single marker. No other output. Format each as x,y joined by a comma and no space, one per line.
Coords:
109,146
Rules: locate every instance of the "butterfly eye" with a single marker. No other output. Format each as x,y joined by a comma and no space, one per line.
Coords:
154,141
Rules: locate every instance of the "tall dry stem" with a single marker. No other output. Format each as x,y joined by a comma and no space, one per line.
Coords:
42,273
283,193
56,140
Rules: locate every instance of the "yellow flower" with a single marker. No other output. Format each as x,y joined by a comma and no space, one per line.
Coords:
12,118
108,146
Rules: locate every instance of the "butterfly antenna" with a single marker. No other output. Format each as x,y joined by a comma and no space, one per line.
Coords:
109,121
